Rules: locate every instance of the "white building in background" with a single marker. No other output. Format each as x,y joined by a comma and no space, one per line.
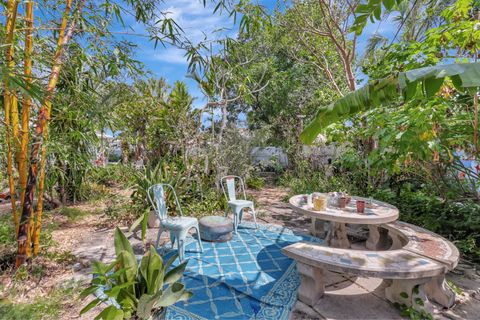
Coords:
269,157
109,150
276,158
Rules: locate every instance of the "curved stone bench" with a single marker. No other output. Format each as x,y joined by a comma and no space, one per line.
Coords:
416,270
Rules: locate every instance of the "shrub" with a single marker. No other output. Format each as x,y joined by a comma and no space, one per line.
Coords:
255,182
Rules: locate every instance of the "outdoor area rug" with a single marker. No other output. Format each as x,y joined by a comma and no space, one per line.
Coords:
247,277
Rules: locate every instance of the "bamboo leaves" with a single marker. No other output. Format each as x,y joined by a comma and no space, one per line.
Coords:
390,89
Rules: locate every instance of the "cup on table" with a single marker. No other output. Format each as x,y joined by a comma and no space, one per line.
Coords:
360,206
342,202
319,201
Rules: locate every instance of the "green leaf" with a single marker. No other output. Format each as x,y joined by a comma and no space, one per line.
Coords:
127,261
92,304
110,313
404,295
388,4
175,293
145,306
122,243
419,302
175,274
170,261
431,86
88,291
376,92
457,82
416,289
378,12
152,271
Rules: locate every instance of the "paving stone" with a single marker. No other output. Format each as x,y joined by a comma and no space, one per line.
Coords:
354,302
302,311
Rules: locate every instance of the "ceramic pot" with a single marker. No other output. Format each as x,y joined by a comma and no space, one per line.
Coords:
342,202
360,206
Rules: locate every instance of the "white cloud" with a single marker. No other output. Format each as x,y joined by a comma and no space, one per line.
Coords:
169,55
198,21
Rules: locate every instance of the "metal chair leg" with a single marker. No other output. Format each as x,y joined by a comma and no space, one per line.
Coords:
198,238
158,237
235,222
181,249
254,217
173,238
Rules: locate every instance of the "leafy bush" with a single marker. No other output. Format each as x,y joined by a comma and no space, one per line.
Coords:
121,209
316,182
111,175
208,204
255,182
164,172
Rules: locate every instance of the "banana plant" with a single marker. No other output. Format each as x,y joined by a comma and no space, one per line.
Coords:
139,289
422,82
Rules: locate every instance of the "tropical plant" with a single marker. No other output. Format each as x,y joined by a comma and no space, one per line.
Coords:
140,290
170,172
423,82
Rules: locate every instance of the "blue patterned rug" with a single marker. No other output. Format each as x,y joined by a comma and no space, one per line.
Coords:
245,278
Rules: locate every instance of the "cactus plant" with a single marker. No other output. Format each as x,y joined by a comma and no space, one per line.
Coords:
138,289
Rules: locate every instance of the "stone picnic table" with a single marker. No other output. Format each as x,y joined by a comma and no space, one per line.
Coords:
376,213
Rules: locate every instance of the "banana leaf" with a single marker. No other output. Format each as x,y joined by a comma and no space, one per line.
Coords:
387,90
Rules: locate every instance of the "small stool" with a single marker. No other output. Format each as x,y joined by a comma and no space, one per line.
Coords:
216,229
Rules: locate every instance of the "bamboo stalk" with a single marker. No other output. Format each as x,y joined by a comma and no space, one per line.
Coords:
12,7
27,100
475,123
27,103
42,119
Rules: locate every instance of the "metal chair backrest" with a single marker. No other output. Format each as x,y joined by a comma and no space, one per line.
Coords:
230,192
157,195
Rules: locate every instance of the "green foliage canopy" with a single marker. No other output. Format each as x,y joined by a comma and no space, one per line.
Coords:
424,81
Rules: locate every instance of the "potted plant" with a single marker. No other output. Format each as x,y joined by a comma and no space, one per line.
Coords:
135,289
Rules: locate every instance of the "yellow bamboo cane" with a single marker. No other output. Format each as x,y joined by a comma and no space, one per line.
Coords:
27,102
12,7
62,41
42,119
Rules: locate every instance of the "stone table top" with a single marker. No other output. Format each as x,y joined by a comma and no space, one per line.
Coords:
377,213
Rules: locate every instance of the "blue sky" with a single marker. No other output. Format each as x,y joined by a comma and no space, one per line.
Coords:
198,21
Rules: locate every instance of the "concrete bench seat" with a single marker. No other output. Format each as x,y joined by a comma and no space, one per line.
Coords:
416,269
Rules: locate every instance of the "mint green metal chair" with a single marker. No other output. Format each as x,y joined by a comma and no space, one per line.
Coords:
236,205
179,226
